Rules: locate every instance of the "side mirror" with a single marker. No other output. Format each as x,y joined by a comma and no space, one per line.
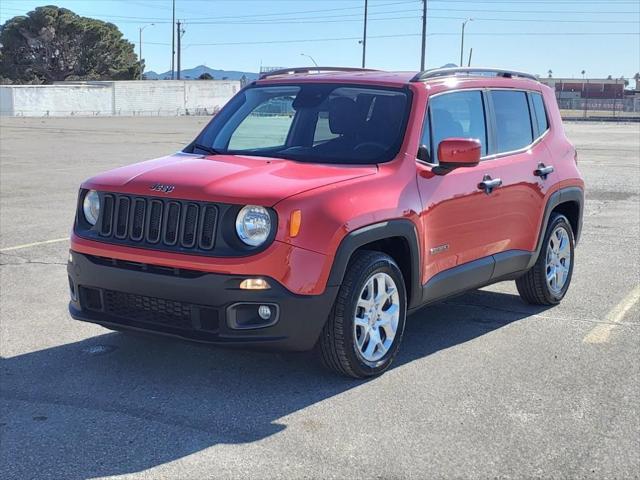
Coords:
459,152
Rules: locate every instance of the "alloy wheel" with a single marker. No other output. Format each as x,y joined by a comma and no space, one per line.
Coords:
376,317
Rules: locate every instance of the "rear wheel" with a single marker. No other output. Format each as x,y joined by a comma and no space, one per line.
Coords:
365,326
547,282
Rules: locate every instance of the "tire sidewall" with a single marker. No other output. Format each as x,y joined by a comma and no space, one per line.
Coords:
364,367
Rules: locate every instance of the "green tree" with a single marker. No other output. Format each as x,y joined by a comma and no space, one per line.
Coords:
54,44
205,76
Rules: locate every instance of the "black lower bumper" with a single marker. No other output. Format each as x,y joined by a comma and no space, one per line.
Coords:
199,306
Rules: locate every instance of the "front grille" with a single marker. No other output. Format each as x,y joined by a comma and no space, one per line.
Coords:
168,224
147,309
131,309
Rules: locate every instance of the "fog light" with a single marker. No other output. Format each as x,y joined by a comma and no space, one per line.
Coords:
265,312
254,284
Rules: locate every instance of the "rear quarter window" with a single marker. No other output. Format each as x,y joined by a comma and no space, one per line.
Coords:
540,113
513,120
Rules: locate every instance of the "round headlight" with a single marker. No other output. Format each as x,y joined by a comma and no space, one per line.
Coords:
253,225
91,206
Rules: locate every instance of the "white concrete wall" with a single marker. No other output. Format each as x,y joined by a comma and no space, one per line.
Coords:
206,96
60,100
161,97
157,98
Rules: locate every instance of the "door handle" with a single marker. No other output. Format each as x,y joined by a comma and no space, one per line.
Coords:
488,184
542,171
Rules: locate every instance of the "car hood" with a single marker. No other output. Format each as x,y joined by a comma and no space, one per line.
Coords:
224,178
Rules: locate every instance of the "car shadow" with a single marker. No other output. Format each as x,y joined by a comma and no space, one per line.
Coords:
116,403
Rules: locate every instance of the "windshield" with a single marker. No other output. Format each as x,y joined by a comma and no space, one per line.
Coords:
310,122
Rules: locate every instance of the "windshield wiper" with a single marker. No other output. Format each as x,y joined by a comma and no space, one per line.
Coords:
204,148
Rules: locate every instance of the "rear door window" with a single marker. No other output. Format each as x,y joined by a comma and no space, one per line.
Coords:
513,120
457,115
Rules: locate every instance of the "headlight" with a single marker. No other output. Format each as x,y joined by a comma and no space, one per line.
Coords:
91,206
253,225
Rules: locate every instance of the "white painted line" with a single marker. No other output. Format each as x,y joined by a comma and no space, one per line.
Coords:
602,332
34,244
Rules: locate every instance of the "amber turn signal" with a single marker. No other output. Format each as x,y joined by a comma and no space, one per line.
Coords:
294,223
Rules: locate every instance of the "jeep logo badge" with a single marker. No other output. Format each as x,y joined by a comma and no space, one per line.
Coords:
158,187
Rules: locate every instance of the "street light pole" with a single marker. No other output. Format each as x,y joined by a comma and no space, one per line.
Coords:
364,34
309,56
140,45
424,35
464,24
173,40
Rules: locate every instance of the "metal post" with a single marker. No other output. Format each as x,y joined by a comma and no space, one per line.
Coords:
615,96
586,101
364,35
173,40
424,34
178,32
470,54
462,40
140,45
140,51
310,57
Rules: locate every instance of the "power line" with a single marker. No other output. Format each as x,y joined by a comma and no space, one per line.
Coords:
501,34
440,17
285,17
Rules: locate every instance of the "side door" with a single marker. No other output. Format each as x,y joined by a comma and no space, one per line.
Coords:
461,220
517,151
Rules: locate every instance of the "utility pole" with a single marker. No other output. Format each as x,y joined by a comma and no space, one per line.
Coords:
424,34
173,40
364,35
470,54
464,24
179,34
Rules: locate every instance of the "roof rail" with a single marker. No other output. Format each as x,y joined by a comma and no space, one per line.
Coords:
477,71
291,71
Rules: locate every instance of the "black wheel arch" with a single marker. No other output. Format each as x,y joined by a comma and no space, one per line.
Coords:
568,201
373,237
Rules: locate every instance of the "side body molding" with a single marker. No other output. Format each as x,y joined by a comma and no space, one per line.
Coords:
401,228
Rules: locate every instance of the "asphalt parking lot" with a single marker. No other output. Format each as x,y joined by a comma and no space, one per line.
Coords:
484,386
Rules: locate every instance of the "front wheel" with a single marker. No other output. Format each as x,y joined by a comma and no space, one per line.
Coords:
365,326
547,282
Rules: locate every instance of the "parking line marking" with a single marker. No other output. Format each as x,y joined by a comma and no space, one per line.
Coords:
602,332
34,244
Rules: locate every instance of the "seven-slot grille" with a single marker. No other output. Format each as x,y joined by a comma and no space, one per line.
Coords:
165,223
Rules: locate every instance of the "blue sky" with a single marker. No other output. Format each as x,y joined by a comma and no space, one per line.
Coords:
601,37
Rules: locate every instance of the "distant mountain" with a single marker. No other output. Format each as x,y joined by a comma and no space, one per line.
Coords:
194,73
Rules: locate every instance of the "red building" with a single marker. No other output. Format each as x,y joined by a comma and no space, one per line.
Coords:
586,88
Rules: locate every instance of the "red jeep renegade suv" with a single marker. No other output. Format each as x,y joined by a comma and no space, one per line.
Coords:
322,205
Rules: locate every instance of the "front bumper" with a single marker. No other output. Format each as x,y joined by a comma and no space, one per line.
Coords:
194,305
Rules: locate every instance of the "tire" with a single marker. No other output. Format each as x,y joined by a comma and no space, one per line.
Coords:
533,286
343,344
